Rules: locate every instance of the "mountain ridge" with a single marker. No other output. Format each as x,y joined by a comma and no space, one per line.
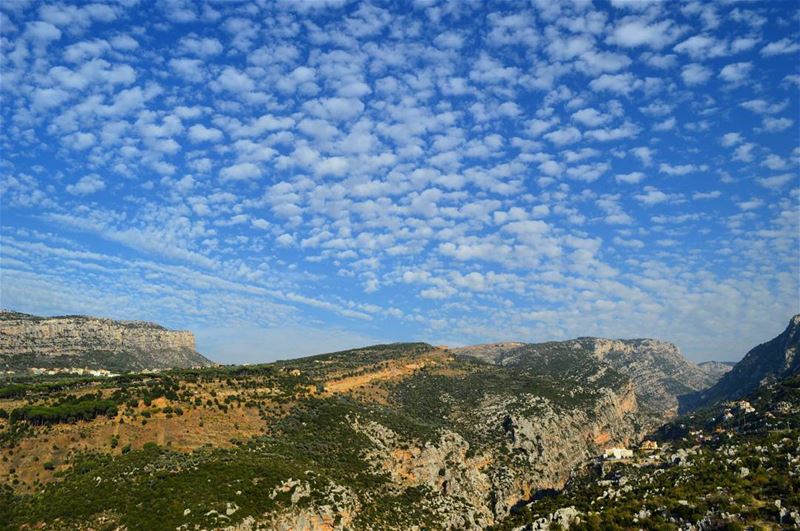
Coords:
79,341
382,437
765,363
657,368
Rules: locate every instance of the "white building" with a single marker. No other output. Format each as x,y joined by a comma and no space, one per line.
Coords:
617,453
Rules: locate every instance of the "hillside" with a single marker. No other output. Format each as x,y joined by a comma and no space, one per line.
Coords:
74,341
657,369
398,436
733,466
385,437
768,362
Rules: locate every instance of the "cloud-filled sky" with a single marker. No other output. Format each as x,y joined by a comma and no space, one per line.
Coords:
302,176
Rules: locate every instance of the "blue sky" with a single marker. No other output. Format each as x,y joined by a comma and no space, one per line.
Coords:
305,176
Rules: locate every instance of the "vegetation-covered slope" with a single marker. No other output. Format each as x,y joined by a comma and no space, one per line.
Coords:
386,437
733,466
658,370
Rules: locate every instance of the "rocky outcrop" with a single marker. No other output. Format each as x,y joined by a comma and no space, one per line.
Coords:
716,369
658,370
536,446
764,364
78,341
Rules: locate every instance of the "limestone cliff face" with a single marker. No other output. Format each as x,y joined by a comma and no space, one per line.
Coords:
79,341
537,445
717,369
658,370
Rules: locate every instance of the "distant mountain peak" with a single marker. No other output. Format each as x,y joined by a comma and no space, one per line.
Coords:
658,370
774,360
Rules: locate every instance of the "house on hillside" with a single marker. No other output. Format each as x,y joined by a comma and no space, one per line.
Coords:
617,453
648,446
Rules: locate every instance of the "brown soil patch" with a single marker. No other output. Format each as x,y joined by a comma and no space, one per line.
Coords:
602,438
195,428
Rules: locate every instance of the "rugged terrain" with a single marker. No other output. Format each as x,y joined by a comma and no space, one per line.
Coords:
768,362
732,466
400,436
74,341
717,368
386,437
657,369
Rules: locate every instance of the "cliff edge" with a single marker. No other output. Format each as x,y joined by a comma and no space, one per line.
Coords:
76,341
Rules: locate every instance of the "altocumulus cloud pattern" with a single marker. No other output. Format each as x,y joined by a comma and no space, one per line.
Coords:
333,172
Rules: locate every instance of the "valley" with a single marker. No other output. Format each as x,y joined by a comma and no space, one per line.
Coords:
397,436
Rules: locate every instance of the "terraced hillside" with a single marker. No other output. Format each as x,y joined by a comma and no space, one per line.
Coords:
386,437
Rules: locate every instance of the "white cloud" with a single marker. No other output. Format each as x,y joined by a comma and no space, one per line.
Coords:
752,204
590,117
86,185
775,125
200,46
188,69
780,47
630,178
665,125
744,152
232,80
776,182
80,141
651,196
240,172
763,107
731,139
617,83
42,32
626,130
201,133
700,47
695,74
680,169
714,194
736,72
644,154
634,32
565,135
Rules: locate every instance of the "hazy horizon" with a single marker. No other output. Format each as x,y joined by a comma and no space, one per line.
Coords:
251,345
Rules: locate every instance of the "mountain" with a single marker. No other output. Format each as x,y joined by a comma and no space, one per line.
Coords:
384,437
768,362
724,467
716,369
399,436
75,341
658,370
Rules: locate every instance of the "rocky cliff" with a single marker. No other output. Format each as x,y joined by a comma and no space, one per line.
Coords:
78,341
764,364
403,436
716,369
534,444
657,369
